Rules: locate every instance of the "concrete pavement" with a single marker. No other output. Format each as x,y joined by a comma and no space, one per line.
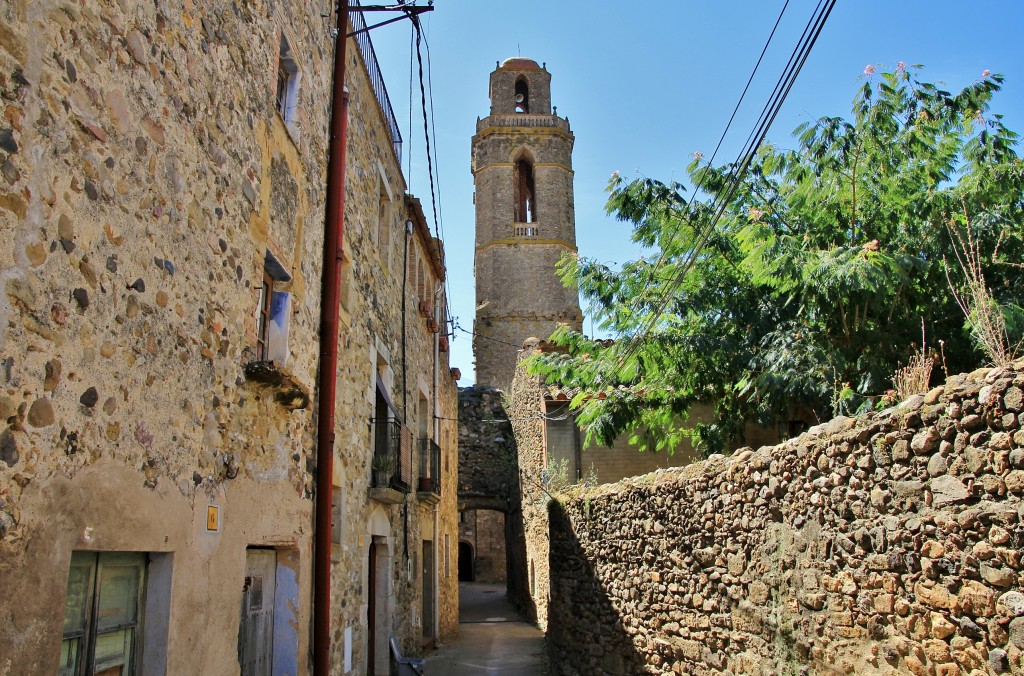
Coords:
493,638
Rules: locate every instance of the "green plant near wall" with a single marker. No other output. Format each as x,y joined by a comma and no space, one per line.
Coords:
808,291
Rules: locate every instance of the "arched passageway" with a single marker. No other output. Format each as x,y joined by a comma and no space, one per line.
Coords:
465,562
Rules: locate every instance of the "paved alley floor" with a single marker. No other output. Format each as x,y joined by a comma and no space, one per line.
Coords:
493,638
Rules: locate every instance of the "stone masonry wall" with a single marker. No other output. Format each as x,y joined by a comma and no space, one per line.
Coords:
884,544
145,174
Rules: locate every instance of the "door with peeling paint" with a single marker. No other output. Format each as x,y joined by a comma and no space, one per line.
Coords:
256,629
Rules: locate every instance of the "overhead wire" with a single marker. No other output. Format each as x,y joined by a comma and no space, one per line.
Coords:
457,327
711,161
440,205
430,152
768,114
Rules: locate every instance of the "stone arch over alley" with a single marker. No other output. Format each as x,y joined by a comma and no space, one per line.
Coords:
490,514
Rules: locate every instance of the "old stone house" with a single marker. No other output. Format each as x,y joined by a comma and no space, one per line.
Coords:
161,209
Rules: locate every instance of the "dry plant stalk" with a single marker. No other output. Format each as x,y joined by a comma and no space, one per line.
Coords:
916,375
976,301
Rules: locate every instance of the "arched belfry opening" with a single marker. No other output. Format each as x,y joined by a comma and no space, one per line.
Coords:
524,192
522,95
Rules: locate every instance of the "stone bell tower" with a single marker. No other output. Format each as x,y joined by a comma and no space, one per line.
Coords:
525,219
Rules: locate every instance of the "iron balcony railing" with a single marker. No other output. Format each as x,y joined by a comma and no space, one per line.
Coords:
376,79
392,461
430,466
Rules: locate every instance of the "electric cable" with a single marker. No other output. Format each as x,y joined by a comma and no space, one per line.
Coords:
457,327
769,112
721,140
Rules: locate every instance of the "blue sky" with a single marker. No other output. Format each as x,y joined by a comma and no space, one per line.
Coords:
645,88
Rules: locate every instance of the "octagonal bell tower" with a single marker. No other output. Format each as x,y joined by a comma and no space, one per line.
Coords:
525,219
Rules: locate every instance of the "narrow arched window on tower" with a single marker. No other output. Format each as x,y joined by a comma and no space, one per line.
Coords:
522,96
526,204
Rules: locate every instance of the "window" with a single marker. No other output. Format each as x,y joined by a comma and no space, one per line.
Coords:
273,313
345,295
525,201
287,91
522,96
384,223
103,615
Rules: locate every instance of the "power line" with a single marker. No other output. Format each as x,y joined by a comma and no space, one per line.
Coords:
457,327
768,114
711,162
430,153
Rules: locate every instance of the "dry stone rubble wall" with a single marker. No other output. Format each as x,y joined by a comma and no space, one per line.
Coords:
888,543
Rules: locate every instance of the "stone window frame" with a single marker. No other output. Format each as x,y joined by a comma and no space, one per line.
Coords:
275,277
524,206
385,217
286,91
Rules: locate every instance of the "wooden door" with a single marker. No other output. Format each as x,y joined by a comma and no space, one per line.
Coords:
256,629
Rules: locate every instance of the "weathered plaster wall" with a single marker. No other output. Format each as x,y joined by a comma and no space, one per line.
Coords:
145,174
890,543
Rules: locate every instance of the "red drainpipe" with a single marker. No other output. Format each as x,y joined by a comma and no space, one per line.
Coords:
334,225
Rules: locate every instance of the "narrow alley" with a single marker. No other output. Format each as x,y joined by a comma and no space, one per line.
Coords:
493,638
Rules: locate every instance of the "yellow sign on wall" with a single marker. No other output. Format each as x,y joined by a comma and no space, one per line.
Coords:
212,518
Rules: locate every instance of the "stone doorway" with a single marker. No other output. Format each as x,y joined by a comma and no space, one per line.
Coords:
465,562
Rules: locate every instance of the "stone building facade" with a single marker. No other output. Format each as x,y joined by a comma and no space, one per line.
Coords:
163,176
525,219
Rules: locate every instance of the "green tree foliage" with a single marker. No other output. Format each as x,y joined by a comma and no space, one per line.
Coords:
810,290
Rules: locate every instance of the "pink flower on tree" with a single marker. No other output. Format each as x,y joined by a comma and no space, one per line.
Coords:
986,73
900,66
869,70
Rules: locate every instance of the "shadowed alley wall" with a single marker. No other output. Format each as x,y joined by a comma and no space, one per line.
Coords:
889,543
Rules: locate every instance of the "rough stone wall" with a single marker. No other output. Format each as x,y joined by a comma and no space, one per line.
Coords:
547,444
526,400
889,543
503,82
144,176
377,340
486,455
488,542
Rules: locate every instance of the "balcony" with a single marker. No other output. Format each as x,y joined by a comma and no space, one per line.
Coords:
391,465
522,120
376,78
429,483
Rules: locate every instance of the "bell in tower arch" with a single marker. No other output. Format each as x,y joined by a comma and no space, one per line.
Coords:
522,96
